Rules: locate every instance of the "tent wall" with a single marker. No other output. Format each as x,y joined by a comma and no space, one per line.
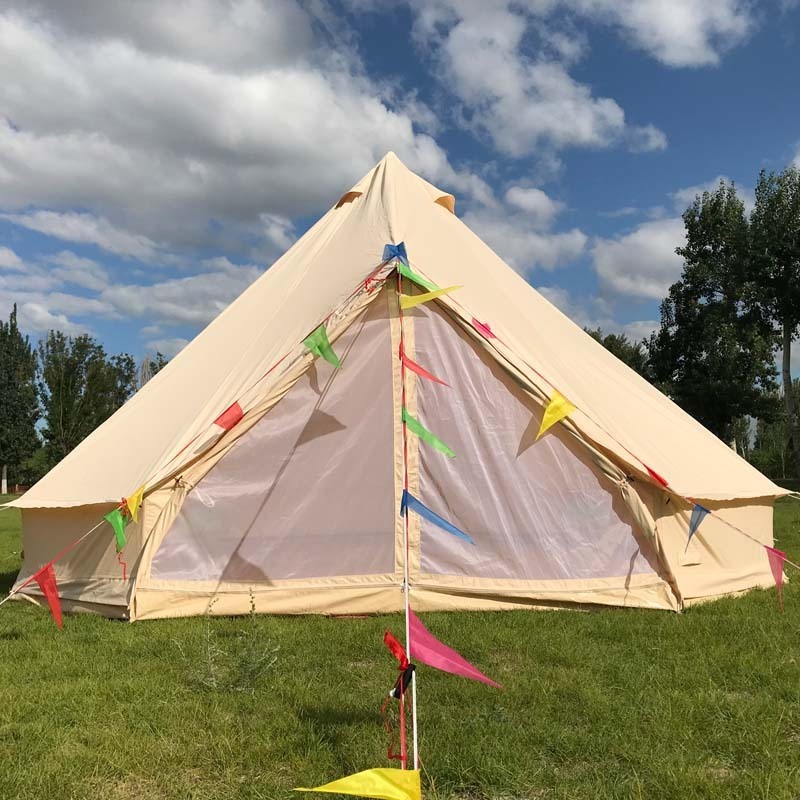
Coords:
718,560
90,576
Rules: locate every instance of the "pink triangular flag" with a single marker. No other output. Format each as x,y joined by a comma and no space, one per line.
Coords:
46,578
483,329
427,649
229,417
776,559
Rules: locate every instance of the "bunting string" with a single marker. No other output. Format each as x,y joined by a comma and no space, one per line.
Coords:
655,476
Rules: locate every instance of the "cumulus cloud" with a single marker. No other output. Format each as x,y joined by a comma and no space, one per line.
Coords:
166,126
521,230
642,263
680,33
194,300
683,198
167,347
9,259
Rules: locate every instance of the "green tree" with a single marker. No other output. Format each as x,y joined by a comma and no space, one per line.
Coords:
634,354
150,366
713,353
20,409
775,225
80,388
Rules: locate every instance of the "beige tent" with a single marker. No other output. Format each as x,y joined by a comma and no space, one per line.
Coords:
298,504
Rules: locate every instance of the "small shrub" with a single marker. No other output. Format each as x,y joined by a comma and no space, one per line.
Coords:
222,663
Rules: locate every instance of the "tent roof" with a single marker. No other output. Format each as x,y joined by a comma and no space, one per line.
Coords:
624,413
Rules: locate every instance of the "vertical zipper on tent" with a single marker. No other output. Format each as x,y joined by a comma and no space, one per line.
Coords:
406,586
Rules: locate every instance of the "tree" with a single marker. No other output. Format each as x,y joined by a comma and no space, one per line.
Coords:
634,354
19,409
80,388
713,353
775,225
150,366
772,450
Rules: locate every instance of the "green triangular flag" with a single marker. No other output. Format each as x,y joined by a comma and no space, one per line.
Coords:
319,345
409,273
415,426
118,522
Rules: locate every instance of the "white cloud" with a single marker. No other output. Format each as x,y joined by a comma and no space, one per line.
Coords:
158,122
9,259
540,209
87,229
683,198
78,271
167,347
679,33
642,263
646,138
39,319
193,300
520,232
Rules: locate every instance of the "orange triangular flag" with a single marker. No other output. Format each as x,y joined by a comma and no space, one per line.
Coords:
558,408
134,502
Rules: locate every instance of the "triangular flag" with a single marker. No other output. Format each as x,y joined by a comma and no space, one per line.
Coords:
134,502
411,502
231,416
409,273
396,649
483,329
319,345
391,251
416,427
776,559
417,369
655,476
46,578
411,300
427,649
384,783
558,408
699,513
118,522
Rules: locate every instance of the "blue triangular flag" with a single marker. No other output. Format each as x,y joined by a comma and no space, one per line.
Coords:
391,251
699,513
411,502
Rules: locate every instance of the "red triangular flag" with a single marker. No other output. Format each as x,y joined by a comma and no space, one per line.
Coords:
417,369
776,559
46,578
396,649
655,476
229,417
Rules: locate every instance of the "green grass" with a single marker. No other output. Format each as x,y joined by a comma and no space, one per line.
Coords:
607,704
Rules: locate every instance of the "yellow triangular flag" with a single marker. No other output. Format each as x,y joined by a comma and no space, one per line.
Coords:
411,300
385,783
134,501
558,408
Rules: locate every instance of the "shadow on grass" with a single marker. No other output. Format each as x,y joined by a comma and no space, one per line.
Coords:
7,581
329,715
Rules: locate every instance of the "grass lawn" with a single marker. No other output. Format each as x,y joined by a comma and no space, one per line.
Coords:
608,704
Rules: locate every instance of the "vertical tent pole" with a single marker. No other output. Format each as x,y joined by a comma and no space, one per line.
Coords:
406,587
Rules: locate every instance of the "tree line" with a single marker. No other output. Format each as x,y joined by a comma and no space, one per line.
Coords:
53,395
734,313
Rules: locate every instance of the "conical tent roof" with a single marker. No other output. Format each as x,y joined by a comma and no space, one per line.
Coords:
618,411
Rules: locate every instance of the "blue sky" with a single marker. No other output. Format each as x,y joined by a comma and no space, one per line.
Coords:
156,158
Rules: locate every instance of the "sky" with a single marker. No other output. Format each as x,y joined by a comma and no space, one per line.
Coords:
156,158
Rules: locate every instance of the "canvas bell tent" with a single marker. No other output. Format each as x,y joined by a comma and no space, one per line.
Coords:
269,470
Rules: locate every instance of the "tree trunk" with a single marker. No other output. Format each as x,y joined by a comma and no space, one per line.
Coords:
788,398
4,480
